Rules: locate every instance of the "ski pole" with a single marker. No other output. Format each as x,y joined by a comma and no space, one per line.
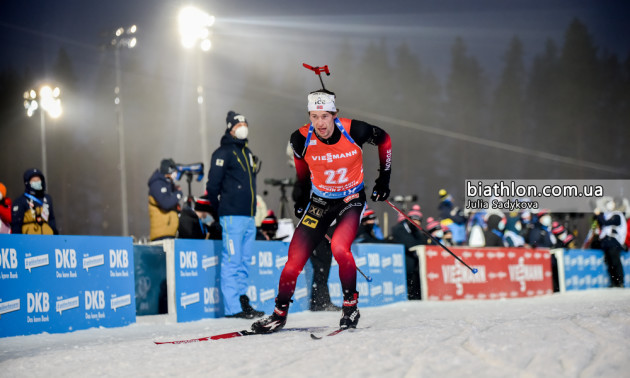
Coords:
367,278
474,270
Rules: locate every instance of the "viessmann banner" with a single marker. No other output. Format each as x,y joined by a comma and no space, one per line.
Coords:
503,273
64,283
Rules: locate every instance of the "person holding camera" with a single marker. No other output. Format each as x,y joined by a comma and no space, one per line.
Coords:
328,158
164,197
33,212
231,189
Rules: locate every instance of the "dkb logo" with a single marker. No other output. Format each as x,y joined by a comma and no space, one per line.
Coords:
9,258
65,258
37,302
94,300
265,259
210,295
118,258
188,259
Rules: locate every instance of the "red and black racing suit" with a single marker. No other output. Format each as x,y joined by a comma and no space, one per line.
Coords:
324,166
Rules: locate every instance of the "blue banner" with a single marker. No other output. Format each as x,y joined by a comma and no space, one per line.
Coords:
198,277
385,264
585,269
198,290
64,283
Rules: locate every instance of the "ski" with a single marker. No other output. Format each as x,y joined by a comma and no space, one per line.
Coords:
228,335
333,333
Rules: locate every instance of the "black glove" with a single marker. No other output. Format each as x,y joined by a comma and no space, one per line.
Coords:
300,207
381,190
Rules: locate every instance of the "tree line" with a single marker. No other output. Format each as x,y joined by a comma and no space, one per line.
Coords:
564,115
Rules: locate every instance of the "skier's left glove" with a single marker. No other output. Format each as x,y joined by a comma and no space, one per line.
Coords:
381,189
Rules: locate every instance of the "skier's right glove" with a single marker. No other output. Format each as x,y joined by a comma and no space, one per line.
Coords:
300,207
381,189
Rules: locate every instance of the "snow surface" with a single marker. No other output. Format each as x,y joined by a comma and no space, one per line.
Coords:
561,335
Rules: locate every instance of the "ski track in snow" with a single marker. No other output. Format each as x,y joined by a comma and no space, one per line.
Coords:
577,334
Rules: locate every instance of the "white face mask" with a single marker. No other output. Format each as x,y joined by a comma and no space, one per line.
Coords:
518,226
438,234
610,206
545,220
36,185
241,132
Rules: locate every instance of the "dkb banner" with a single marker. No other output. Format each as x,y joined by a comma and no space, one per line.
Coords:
385,264
586,269
197,278
65,283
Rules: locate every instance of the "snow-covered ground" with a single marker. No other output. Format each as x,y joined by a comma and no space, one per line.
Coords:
569,335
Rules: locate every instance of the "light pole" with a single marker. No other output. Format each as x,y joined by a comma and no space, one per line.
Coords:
47,101
122,38
194,30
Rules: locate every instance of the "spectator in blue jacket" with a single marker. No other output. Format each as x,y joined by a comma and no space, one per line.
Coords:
231,189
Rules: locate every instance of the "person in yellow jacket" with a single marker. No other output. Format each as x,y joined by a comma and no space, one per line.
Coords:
164,197
32,213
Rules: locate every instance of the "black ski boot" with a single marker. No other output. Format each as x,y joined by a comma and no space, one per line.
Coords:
248,309
350,313
274,322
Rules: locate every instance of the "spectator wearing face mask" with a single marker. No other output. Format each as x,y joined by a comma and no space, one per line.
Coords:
197,223
495,224
540,235
231,188
435,229
33,213
563,237
164,197
512,234
366,232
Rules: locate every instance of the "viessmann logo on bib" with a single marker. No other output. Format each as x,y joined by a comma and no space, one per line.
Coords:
329,157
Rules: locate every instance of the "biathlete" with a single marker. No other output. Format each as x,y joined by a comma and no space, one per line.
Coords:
329,163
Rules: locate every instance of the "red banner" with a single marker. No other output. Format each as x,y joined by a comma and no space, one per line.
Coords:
503,273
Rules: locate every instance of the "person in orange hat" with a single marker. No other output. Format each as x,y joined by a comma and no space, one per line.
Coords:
5,211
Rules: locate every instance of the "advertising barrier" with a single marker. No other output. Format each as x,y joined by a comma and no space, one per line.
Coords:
59,284
503,273
197,278
384,263
197,263
585,269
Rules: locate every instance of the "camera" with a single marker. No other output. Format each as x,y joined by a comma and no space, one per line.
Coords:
280,182
190,170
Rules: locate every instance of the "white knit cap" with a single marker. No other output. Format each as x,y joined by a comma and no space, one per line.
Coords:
321,101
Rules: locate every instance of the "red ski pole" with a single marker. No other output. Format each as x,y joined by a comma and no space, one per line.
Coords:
474,270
